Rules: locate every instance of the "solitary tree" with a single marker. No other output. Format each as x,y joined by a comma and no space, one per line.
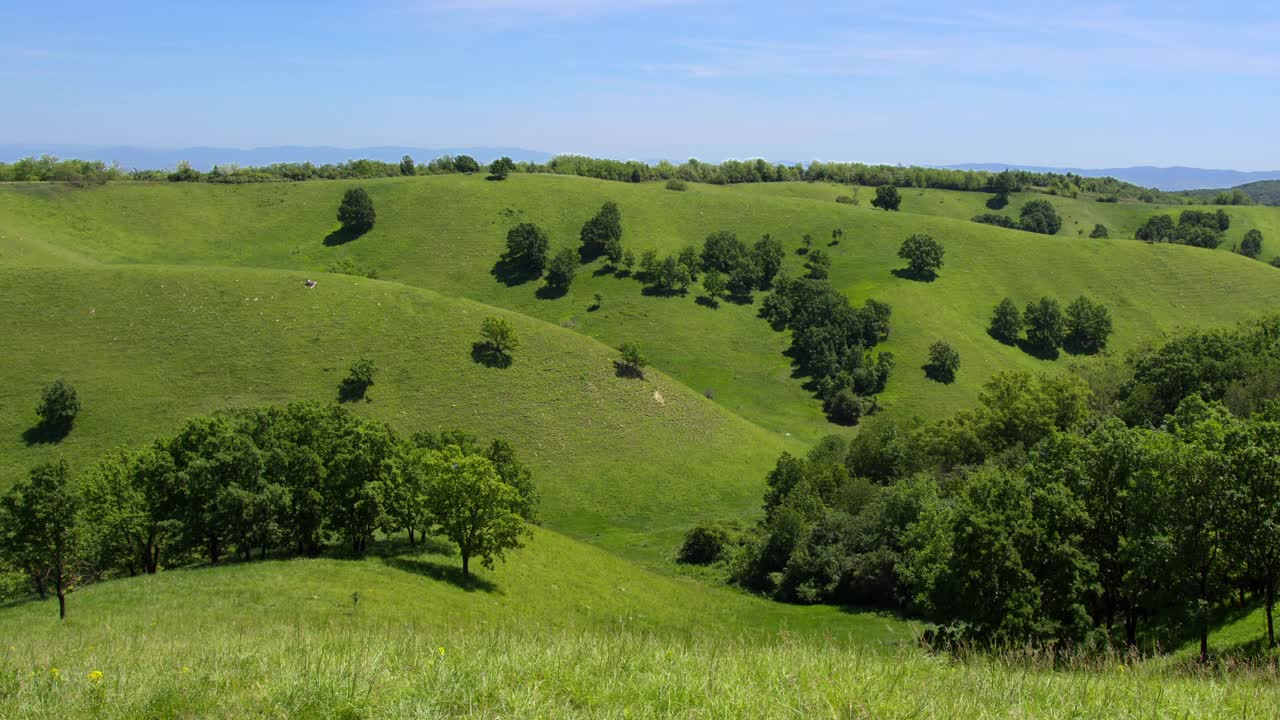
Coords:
471,506
632,361
527,248
358,379
943,363
1038,216
1006,322
923,255
499,335
499,169
603,227
1251,245
562,269
58,407
38,530
887,198
1099,231
356,212
465,164
1088,326
1046,327
407,166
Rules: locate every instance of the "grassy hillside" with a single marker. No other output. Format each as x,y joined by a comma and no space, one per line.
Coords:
445,233
560,631
147,347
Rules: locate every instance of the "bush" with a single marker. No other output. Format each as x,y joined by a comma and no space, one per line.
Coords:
562,268
1038,216
704,545
527,248
846,199
499,169
997,219
1251,246
1088,326
1099,231
499,335
347,266
844,407
677,184
632,362
358,380
356,211
887,198
923,255
1275,261
943,363
466,164
59,405
1006,322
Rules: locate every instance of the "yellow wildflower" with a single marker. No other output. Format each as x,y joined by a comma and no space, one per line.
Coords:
186,669
440,650
55,672
1119,668
95,676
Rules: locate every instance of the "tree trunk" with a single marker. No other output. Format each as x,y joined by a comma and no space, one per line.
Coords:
62,605
1131,628
466,566
411,541
1204,642
1271,628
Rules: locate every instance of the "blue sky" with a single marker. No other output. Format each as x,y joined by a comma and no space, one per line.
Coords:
1082,84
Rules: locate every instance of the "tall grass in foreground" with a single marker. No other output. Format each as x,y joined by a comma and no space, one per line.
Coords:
356,669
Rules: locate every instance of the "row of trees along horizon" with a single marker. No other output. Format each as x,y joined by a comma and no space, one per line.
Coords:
275,480
48,168
1133,505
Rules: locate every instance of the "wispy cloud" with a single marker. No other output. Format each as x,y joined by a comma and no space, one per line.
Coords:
563,9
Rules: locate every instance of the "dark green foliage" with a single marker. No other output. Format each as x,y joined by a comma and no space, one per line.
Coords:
767,254
887,198
1099,231
705,544
499,169
944,362
1088,326
602,229
358,380
670,275
723,251
631,362
407,167
997,219
527,249
677,184
1251,245
1157,228
1038,216
847,199
498,338
1275,261
59,405
356,212
1194,227
347,266
818,263
844,407
561,269
40,533
1006,322
465,164
1046,326
923,255
715,284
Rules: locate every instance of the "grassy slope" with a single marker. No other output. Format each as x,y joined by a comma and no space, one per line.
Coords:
148,347
445,233
562,630
1079,215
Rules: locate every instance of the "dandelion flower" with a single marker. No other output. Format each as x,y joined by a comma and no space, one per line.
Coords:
440,650
55,672
1119,668
95,676
186,669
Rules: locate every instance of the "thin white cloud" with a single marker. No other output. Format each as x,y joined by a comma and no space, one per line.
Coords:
551,8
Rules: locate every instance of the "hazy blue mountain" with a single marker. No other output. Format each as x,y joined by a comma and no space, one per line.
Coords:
1163,178
204,158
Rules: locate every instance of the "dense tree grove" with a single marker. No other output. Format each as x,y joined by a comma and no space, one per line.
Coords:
1045,514
1199,228
266,480
1038,216
831,342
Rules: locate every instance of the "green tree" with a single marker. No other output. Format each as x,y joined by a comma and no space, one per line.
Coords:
470,505
632,361
499,335
704,545
715,285
357,474
1251,245
359,379
499,169
818,263
1157,228
614,251
1046,327
604,227
59,405
1088,326
923,255
628,260
527,249
356,212
561,270
1099,231
767,254
466,164
1006,322
39,532
887,198
844,407
943,363
723,251
1038,216
131,509
407,167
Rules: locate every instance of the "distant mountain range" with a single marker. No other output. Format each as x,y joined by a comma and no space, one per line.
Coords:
1162,178
204,158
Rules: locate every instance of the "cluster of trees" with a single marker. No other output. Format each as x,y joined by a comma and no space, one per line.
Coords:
1194,227
1045,514
48,168
1084,328
272,479
832,343
1037,216
724,263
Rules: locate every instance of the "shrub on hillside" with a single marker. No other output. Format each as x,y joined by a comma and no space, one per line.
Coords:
997,219
923,255
1088,326
1099,231
705,544
358,380
887,198
1038,216
943,363
356,212
527,249
1006,322
1251,245
59,405
677,184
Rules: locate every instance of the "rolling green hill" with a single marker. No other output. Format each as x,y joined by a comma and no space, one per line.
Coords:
562,630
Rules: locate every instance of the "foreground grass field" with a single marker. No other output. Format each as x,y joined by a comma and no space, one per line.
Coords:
562,630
